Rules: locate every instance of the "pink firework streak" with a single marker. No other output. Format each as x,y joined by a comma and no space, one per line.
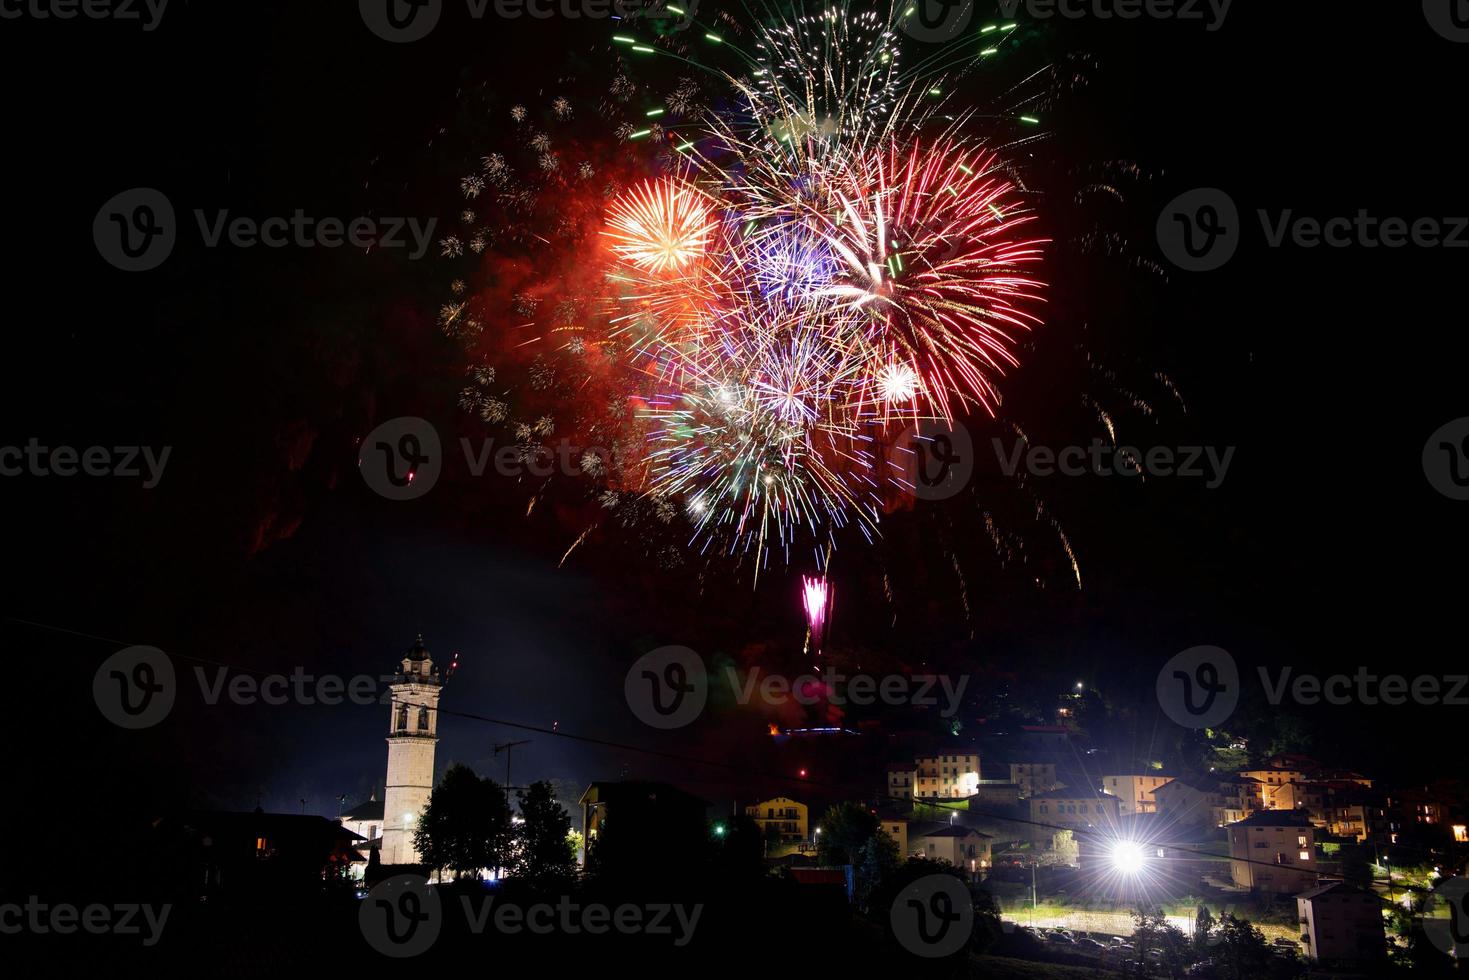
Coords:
816,598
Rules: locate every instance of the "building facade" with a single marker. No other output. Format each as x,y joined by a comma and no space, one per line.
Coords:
1341,925
946,777
960,846
413,733
780,816
900,781
1071,809
1134,791
1033,777
1273,851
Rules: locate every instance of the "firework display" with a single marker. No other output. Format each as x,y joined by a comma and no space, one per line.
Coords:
758,285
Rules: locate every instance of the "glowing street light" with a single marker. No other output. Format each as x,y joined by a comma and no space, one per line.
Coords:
1127,857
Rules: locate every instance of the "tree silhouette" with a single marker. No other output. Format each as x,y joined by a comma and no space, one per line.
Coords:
544,854
466,825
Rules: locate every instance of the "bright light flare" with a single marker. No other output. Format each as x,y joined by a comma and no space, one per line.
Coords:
1127,857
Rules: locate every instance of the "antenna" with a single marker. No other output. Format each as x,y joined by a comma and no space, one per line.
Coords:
506,747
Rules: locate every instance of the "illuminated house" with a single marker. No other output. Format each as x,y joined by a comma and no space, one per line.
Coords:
1033,777
1194,802
1134,791
900,781
963,847
1273,851
366,821
1341,924
946,776
1278,771
1071,809
1443,803
785,816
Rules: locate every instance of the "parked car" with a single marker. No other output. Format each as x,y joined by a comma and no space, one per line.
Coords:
1090,945
1060,939
1282,941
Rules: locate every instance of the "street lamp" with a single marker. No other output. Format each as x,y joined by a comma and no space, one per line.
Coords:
1127,857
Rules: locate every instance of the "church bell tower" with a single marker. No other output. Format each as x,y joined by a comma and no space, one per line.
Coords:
412,733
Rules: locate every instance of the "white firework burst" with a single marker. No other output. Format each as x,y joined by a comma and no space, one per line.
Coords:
451,248
472,186
561,108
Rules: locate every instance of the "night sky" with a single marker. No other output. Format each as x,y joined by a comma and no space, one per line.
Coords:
1327,369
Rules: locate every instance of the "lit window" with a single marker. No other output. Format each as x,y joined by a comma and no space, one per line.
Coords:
1305,855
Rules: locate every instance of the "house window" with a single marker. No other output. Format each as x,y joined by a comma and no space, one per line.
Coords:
372,832
1305,855
402,717
423,719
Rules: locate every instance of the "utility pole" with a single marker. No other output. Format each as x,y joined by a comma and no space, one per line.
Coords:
506,747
